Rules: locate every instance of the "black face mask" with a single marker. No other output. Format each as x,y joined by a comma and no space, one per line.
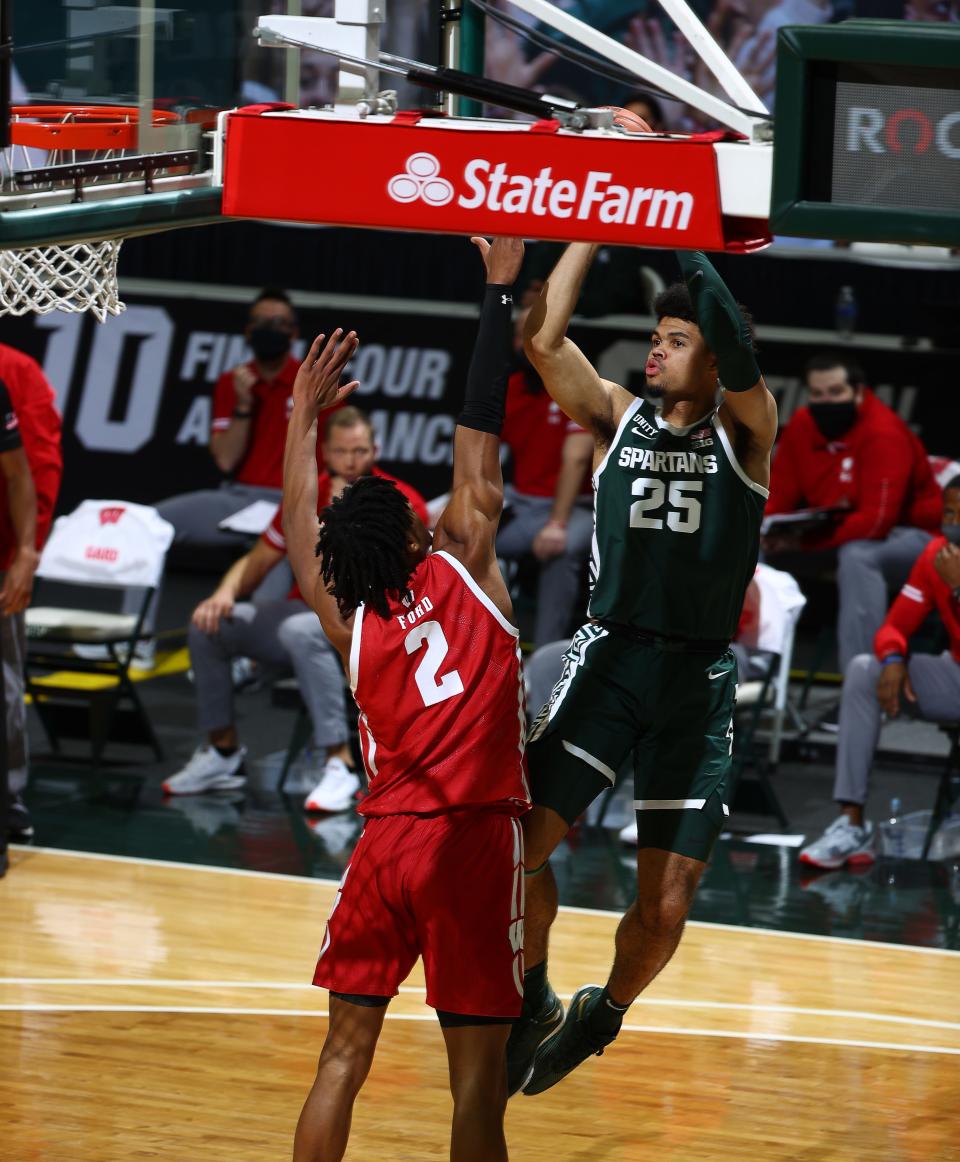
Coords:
952,533
268,343
834,419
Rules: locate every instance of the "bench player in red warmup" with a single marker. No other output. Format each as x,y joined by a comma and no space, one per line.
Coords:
427,640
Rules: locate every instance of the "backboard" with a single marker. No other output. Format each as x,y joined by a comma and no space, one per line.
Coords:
176,66
166,70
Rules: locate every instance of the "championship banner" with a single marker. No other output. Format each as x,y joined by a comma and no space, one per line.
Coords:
536,181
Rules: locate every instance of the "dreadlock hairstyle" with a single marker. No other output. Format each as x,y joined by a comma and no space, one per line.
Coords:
363,545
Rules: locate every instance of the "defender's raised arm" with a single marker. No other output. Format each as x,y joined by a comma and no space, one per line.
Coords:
317,387
468,525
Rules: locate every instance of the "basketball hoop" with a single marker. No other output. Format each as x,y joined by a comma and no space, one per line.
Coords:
76,277
90,129
82,146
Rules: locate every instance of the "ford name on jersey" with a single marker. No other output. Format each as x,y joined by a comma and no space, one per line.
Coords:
424,605
655,461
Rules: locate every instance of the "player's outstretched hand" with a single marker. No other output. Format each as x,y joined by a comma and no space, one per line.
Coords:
502,257
628,121
317,385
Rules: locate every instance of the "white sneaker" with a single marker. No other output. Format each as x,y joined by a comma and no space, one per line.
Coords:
337,789
841,843
630,834
208,770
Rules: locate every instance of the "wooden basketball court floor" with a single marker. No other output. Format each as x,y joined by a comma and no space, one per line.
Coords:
159,1010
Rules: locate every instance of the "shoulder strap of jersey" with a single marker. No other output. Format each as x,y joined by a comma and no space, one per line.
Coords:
473,585
355,648
628,415
732,458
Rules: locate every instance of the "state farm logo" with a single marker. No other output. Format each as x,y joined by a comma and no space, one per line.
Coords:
490,186
421,179
110,516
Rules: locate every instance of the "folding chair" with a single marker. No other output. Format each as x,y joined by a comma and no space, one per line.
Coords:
770,650
95,556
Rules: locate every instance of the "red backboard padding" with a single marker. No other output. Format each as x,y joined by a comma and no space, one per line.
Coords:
525,180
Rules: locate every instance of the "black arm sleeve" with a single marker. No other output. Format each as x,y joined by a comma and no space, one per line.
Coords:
724,328
485,400
9,426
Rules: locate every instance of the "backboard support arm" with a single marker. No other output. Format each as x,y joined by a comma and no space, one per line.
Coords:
739,119
359,51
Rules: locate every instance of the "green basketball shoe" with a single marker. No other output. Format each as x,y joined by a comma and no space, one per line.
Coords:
572,1043
526,1037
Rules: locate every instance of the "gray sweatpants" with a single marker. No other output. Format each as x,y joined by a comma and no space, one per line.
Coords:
195,515
13,649
867,573
278,634
559,581
936,683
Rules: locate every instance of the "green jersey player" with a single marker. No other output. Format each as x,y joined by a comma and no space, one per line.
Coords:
680,489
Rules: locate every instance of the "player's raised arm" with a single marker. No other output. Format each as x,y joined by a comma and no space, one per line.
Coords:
726,332
468,525
316,388
596,404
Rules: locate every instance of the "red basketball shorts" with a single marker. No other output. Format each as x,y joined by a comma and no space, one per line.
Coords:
448,888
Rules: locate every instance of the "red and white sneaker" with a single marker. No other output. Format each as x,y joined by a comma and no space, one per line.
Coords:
337,789
842,843
208,770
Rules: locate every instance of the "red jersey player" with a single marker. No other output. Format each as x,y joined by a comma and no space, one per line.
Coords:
431,652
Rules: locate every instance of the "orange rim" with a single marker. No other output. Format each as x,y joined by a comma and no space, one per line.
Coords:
87,128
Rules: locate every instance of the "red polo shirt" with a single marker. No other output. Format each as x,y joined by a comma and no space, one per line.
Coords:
272,403
879,470
273,533
33,403
535,430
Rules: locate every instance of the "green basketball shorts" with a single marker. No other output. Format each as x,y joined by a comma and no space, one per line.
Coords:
673,711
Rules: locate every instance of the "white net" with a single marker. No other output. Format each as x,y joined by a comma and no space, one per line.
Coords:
78,276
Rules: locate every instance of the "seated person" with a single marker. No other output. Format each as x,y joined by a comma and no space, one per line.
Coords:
878,683
848,450
251,404
281,632
549,504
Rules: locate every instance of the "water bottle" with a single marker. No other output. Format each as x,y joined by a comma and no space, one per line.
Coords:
893,834
845,312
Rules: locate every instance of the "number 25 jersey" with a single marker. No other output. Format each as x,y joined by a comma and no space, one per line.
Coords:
440,693
676,528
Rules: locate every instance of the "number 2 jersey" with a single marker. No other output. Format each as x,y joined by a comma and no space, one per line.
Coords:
440,692
676,528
